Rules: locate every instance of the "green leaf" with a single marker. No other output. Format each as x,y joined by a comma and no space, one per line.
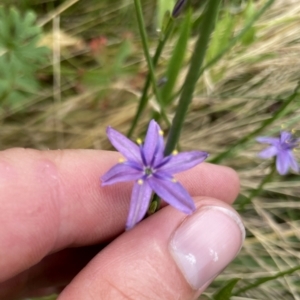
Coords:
222,35
226,291
176,60
163,7
20,55
249,13
266,279
29,19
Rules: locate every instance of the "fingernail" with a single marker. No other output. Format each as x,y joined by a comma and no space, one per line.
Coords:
206,242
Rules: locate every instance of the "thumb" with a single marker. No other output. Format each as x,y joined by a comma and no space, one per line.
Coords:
167,256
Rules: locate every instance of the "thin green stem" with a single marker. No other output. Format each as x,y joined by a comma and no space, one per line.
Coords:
258,190
144,98
197,59
260,281
239,143
142,29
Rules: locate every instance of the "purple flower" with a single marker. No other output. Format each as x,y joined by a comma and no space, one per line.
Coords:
178,8
282,148
152,171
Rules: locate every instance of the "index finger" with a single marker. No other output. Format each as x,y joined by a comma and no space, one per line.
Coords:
53,199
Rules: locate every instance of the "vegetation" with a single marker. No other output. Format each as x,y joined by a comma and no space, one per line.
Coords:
69,68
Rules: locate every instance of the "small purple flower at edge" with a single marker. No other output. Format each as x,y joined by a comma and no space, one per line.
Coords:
152,171
281,147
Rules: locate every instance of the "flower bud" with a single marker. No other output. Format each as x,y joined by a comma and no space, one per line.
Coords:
178,8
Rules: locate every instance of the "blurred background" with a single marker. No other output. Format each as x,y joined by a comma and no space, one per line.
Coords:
69,68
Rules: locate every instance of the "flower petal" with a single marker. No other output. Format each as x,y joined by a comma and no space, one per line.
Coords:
151,141
120,173
282,162
285,136
140,199
178,8
184,161
268,140
173,193
293,162
269,152
129,149
159,150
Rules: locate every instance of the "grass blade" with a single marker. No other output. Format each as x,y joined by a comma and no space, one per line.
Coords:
199,52
265,279
144,98
176,60
226,291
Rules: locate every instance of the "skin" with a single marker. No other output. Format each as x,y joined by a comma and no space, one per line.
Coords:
56,218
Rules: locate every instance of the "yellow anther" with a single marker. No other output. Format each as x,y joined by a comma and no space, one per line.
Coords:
161,133
283,126
294,130
140,181
175,152
139,141
174,180
121,160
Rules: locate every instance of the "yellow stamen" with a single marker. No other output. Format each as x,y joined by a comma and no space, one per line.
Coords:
294,130
175,152
174,180
161,133
283,126
139,141
121,160
140,181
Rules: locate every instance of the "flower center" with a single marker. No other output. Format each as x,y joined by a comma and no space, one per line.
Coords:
289,144
148,171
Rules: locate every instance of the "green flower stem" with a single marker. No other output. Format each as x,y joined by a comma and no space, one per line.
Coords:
258,190
239,143
141,25
197,59
144,98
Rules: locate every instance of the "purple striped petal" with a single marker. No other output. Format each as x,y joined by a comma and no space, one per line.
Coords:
282,162
120,173
268,140
159,151
184,161
293,162
140,199
173,193
129,149
285,136
151,141
269,152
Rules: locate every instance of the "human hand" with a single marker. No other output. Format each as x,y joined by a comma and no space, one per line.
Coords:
55,218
